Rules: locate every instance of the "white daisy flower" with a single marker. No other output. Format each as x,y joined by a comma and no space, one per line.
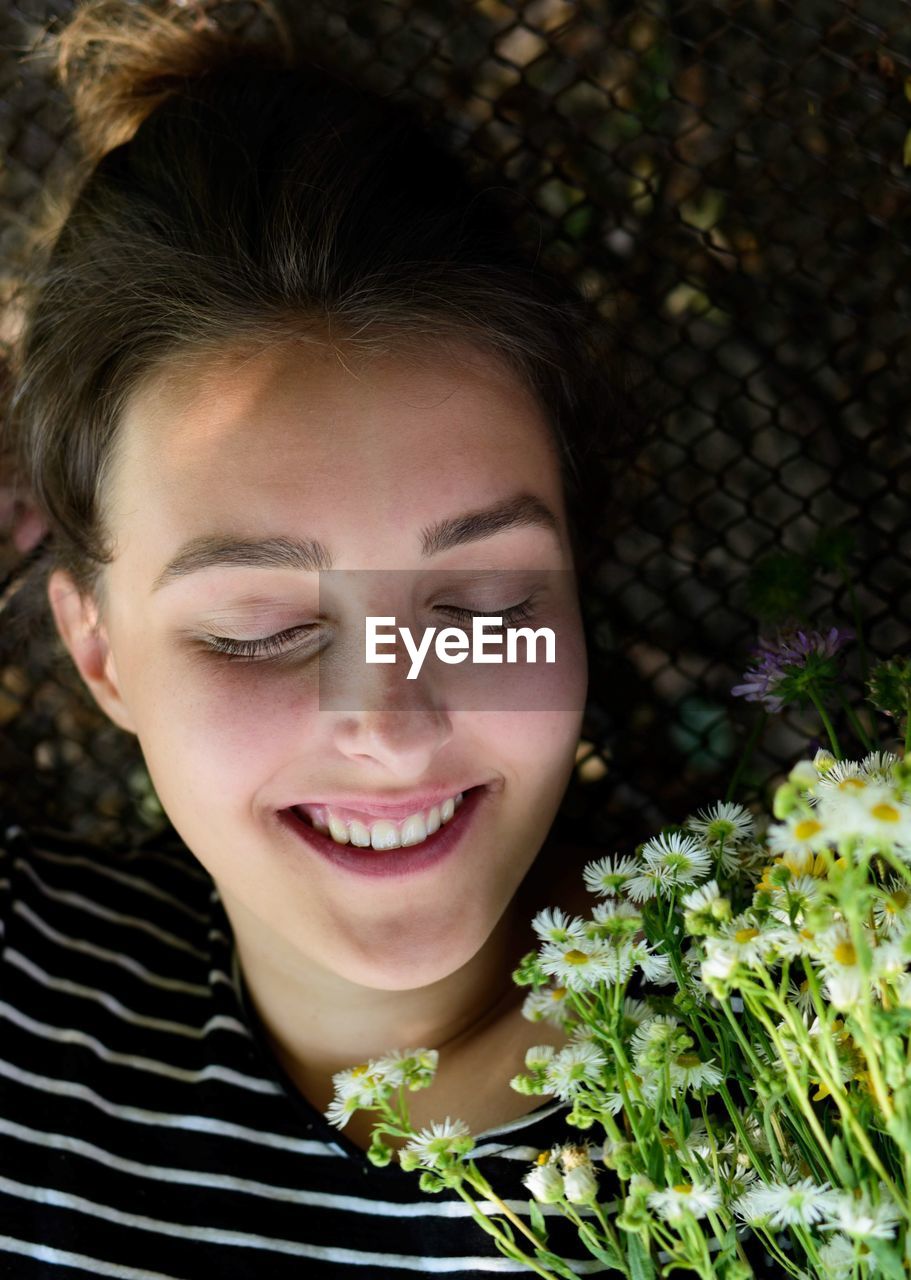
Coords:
688,1072
724,826
780,1204
554,925
721,960
614,918
547,1004
856,1215
581,965
837,1256
607,876
539,1055
880,765
891,959
446,1138
635,1012
792,901
675,1203
657,1041
414,1068
655,965
572,1068
841,771
681,859
340,1111
892,910
871,812
363,1085
703,898
843,979
753,941
646,884
798,834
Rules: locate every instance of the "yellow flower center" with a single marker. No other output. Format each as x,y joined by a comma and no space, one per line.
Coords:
543,1157
844,953
361,1070
885,813
806,829
683,1188
688,1060
852,784
558,993
746,935
576,957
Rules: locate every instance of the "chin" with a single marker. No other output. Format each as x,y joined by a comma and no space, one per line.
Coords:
410,967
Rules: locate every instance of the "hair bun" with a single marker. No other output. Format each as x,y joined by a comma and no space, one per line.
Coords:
118,60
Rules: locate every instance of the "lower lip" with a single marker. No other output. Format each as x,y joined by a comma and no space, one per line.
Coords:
392,862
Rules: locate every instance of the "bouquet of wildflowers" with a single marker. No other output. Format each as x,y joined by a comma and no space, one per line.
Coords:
737,1007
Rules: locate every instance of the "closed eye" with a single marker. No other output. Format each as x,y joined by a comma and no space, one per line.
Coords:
273,646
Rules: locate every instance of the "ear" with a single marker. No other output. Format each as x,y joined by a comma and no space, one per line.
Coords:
77,623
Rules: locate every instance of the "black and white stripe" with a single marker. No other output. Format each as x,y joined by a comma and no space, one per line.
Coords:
147,1131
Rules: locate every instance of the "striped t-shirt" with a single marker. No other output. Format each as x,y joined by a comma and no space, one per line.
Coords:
146,1129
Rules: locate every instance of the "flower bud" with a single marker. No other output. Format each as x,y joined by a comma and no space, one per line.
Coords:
545,1182
804,775
787,797
580,1185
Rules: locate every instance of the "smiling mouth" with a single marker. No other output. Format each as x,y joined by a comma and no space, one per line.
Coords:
381,833
393,860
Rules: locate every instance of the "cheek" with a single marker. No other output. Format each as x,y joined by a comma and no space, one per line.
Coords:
214,731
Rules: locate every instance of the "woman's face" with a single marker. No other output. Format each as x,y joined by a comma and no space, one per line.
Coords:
363,457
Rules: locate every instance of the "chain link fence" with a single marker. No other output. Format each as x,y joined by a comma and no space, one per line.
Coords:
730,184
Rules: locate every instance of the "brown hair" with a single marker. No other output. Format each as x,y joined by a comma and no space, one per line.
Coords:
243,191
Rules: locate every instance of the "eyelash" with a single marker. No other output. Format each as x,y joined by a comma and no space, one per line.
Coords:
271,646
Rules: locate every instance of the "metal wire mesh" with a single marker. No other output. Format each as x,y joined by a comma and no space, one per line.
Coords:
730,183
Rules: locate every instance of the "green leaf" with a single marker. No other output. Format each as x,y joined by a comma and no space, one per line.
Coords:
889,1264
843,1168
555,1263
641,1266
538,1224
598,1251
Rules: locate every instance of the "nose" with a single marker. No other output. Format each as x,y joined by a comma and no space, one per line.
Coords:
397,721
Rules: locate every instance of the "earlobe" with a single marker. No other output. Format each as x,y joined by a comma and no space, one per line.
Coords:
76,619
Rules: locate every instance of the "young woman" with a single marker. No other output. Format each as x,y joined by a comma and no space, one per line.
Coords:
284,368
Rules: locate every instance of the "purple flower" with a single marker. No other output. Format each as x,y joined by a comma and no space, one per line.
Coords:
783,670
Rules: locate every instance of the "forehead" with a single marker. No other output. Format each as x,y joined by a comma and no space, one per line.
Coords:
204,442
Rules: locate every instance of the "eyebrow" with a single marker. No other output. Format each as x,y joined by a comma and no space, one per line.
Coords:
309,555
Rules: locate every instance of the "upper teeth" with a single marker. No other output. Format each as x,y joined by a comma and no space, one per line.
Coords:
384,834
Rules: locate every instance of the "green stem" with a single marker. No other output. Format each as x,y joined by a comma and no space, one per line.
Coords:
855,722
746,754
494,1230
827,723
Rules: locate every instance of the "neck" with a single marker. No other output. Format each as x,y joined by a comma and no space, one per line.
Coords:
318,1023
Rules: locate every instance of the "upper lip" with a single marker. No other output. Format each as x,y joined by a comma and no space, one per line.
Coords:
390,806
